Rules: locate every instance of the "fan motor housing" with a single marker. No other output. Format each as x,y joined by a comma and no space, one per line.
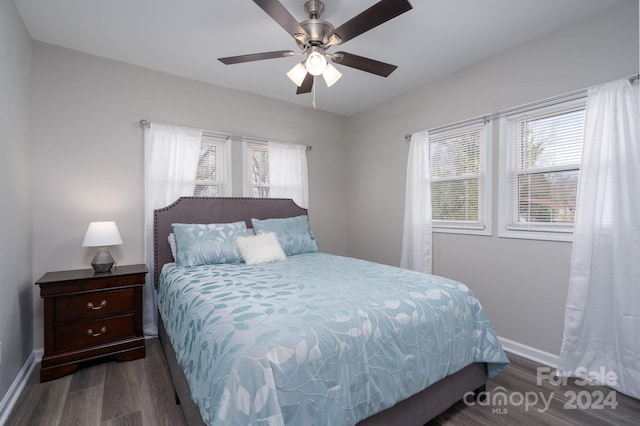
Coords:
317,30
314,26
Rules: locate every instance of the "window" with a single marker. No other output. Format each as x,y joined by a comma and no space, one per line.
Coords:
212,176
460,185
256,169
541,150
276,170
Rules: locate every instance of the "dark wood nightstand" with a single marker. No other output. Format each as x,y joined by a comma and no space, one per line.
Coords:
89,315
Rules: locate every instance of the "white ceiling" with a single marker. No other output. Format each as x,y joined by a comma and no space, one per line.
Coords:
185,38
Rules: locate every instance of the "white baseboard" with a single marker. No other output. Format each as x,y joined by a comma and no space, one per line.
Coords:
533,354
16,388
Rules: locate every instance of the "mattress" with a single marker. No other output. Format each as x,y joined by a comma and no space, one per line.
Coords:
317,338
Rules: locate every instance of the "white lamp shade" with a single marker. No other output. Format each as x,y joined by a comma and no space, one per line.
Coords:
297,74
102,234
331,75
316,63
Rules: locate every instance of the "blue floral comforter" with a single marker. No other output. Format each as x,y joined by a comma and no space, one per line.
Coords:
317,339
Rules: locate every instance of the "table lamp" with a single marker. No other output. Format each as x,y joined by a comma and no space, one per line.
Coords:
102,234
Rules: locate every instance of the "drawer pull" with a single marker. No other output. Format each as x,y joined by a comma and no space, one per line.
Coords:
97,308
102,331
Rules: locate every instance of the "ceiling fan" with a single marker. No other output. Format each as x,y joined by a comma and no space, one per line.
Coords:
315,36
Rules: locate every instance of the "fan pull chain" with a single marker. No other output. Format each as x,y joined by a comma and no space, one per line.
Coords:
313,101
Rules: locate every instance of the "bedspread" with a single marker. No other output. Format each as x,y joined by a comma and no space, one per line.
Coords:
317,339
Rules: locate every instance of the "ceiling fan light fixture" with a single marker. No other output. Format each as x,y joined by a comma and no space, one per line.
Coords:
316,62
297,74
331,75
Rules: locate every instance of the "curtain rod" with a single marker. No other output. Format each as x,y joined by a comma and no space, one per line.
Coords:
144,123
482,119
576,94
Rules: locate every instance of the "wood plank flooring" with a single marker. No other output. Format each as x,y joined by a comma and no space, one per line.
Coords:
519,383
108,394
139,393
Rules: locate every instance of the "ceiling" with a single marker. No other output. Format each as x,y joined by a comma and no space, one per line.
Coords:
186,37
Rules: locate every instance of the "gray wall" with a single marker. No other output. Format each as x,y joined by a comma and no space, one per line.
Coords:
16,285
525,303
76,156
88,162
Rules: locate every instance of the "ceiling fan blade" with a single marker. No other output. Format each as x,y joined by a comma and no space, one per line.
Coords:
277,11
364,64
377,14
256,57
306,85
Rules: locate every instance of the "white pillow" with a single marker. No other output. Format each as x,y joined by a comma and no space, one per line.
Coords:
260,249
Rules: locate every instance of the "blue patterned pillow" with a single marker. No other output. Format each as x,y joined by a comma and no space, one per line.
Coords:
293,233
198,244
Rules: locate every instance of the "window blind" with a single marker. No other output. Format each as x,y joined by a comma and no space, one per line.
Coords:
211,174
457,162
545,149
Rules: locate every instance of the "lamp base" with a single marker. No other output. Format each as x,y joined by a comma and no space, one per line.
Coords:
102,261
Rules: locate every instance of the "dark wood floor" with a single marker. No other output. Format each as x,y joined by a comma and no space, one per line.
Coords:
139,393
109,394
550,403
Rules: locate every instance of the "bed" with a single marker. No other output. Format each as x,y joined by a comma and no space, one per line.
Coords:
281,343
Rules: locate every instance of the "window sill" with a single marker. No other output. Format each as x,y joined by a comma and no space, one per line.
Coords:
466,231
537,235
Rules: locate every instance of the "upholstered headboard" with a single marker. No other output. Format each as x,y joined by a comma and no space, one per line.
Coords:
212,210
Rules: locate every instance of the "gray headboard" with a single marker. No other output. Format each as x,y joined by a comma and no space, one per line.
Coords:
212,210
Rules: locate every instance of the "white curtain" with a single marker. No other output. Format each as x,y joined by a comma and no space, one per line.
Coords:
288,172
171,155
416,232
602,317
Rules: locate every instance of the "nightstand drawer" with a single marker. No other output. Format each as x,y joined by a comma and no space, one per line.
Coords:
90,333
93,305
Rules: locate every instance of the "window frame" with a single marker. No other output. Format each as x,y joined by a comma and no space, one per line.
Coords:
484,176
539,231
223,144
247,169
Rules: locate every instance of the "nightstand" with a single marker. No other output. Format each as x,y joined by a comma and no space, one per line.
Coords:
89,315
